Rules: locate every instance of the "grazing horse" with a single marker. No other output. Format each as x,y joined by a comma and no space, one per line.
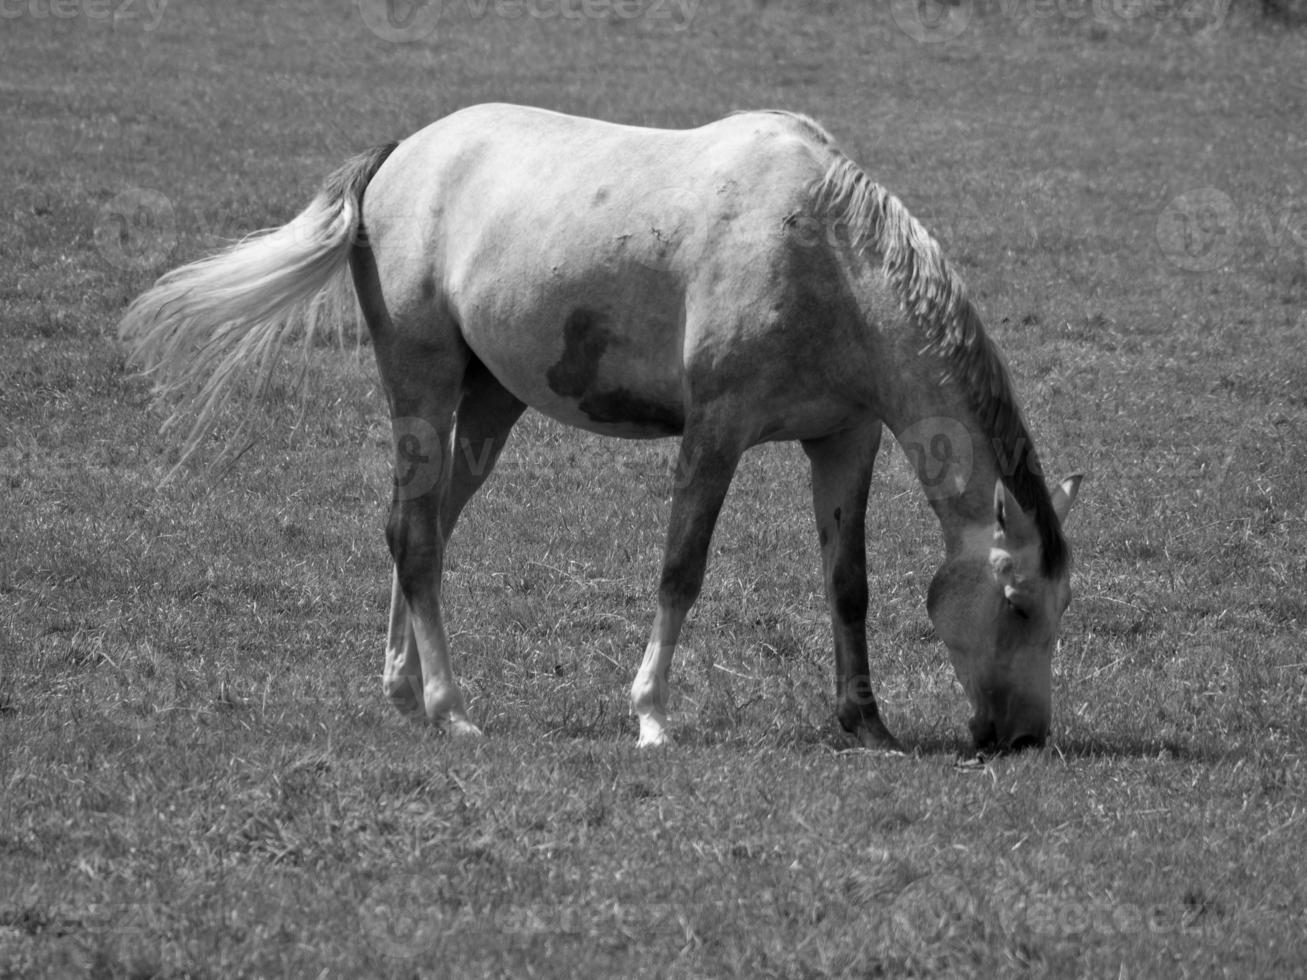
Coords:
733,284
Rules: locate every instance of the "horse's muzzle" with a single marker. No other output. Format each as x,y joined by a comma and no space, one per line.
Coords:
989,740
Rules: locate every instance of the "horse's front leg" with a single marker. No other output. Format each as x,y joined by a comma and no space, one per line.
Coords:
841,477
401,678
709,455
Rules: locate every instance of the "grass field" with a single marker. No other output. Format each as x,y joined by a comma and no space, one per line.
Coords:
199,776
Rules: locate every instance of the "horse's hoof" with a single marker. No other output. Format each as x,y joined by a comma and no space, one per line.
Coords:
405,696
653,734
880,741
871,735
461,727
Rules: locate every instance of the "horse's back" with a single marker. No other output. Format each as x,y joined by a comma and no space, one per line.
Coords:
508,180
570,253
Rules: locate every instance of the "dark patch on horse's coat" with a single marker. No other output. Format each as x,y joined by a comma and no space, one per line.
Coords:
621,405
584,341
576,375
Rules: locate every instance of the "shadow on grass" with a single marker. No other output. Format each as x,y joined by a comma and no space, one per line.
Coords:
1093,747
937,744
1135,747
946,746
807,738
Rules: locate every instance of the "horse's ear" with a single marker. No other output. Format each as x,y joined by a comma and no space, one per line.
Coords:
1011,524
1064,495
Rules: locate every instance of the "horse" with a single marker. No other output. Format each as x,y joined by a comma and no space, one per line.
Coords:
733,284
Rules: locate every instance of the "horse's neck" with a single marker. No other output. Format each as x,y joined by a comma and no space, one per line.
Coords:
926,399
955,461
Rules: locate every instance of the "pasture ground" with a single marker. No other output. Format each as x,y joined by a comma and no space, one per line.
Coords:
198,774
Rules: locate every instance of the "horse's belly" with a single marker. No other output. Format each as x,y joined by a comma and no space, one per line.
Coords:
624,414
591,365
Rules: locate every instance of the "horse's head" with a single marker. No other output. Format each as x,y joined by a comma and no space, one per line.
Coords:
999,614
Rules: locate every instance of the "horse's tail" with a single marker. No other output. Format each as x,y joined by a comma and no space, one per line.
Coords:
204,325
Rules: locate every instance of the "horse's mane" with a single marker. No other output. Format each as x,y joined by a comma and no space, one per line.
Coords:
935,300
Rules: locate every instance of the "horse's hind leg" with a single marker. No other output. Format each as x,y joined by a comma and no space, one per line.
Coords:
841,477
707,463
486,415
427,370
